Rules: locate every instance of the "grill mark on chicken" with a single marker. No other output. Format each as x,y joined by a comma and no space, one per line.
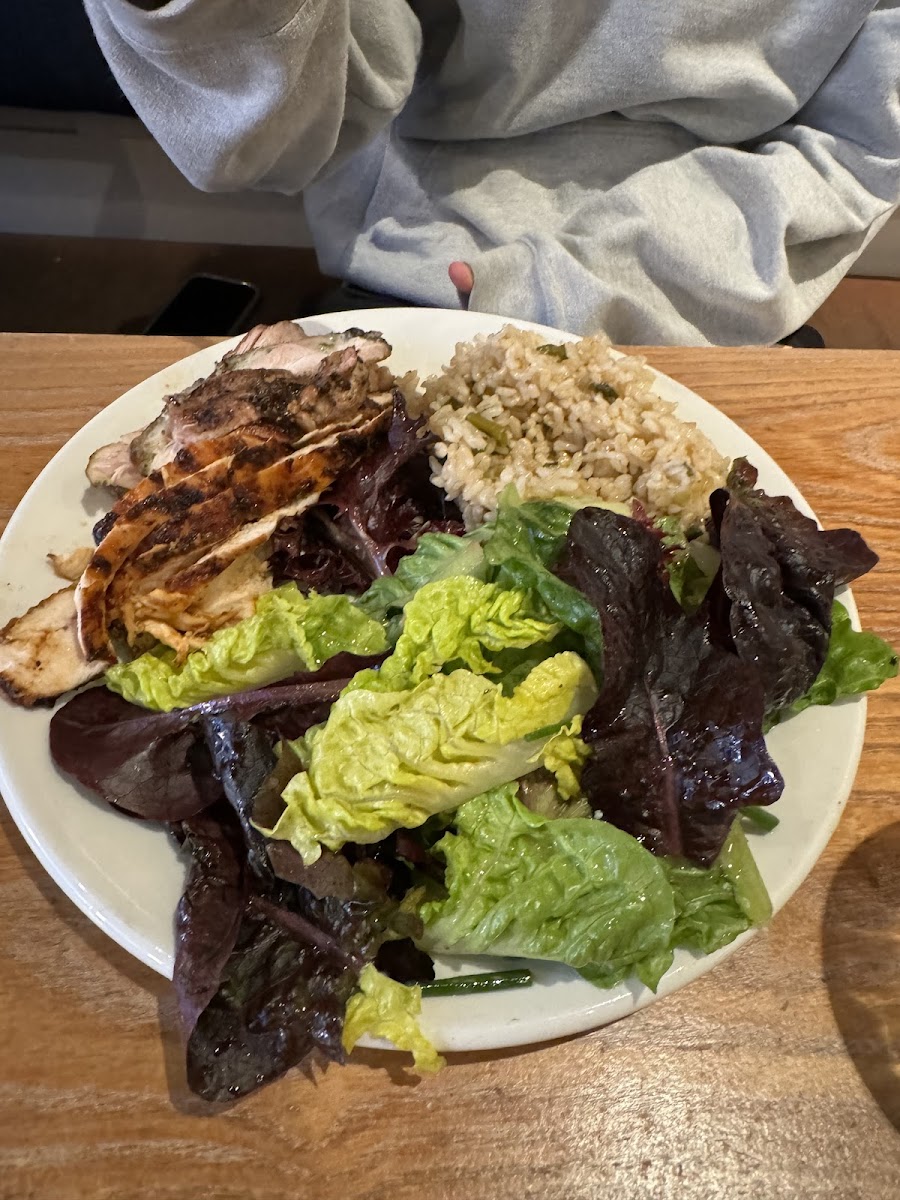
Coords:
251,394
205,525
139,593
184,584
131,527
194,457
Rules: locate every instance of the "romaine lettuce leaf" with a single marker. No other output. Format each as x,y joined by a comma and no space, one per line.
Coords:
713,906
557,601
437,556
390,1010
459,621
856,662
386,760
521,546
574,891
514,552
289,632
584,893
534,529
564,755
537,529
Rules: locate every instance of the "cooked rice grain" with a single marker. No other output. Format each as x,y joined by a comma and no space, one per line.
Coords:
506,411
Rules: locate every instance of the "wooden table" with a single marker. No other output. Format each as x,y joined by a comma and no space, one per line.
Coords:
777,1075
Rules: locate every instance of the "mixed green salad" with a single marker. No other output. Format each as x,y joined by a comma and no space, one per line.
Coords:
541,739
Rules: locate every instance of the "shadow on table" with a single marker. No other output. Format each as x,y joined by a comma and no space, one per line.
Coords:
861,953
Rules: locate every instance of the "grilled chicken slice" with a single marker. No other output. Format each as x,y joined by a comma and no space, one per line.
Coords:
187,531
239,491
71,566
136,522
285,346
170,592
205,526
178,592
112,466
194,457
231,597
261,382
174,598
211,408
152,444
40,655
248,389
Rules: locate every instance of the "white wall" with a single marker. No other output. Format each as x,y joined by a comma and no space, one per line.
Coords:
77,174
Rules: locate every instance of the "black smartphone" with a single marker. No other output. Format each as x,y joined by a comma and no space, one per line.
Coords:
207,304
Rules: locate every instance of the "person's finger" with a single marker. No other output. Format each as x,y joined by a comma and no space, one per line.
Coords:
463,279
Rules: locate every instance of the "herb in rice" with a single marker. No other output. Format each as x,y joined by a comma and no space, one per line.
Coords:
562,420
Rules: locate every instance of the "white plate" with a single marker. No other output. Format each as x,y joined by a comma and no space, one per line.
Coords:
126,875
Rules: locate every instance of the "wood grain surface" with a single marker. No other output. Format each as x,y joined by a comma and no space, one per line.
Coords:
778,1075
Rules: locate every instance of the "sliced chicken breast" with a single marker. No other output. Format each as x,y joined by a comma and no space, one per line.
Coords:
183,551
40,655
281,378
287,347
239,491
112,466
231,597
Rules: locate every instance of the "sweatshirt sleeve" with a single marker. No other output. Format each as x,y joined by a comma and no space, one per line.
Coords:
719,244
260,93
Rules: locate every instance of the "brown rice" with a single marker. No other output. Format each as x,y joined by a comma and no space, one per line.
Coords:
585,425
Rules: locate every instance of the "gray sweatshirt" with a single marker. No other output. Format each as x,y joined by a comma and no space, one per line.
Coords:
681,171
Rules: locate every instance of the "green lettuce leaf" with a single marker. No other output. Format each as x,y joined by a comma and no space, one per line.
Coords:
519,549
691,572
385,1009
557,601
714,906
564,755
536,529
389,760
533,529
437,556
575,891
511,666
459,621
856,662
288,632
515,552
691,566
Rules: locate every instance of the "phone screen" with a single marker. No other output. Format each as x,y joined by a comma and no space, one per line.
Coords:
206,304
